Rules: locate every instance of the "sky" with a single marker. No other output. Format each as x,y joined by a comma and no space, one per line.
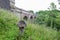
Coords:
34,5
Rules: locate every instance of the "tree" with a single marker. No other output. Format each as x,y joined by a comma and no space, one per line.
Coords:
31,11
52,6
59,2
52,15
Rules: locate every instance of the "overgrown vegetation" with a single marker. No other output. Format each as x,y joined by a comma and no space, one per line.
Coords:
49,18
9,29
39,32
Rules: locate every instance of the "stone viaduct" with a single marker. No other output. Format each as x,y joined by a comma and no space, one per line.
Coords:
20,13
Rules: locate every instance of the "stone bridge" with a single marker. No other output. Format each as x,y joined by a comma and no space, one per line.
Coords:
24,14
20,13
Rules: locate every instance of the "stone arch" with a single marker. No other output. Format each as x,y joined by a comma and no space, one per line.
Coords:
25,17
34,16
31,17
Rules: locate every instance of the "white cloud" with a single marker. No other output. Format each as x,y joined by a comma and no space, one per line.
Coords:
34,4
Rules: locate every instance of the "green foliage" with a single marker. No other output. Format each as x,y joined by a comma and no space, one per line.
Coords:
50,18
8,27
31,11
52,6
59,2
39,32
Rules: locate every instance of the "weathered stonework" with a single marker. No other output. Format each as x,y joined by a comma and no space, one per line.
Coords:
24,14
20,13
5,4
12,5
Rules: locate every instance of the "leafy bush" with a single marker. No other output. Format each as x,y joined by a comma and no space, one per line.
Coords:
8,27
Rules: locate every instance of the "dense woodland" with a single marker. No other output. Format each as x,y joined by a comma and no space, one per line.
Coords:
49,18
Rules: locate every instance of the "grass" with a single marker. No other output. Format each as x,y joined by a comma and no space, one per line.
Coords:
9,29
39,32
